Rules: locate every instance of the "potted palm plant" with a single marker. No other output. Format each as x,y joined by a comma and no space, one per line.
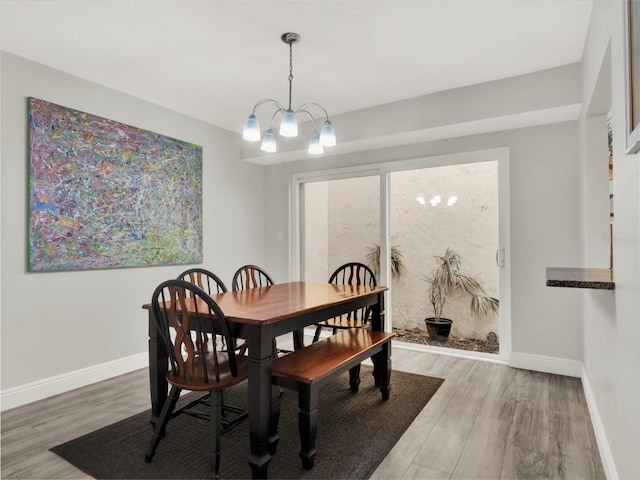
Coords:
444,281
397,262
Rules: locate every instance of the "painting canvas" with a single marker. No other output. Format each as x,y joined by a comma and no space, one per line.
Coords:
107,195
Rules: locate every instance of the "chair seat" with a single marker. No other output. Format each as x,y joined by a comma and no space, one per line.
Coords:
195,380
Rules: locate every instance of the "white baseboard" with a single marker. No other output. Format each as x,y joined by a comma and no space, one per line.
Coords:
598,427
31,392
541,363
450,352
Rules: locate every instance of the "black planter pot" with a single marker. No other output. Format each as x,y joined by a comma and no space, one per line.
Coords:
438,329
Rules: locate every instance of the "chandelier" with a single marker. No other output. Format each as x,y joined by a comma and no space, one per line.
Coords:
289,121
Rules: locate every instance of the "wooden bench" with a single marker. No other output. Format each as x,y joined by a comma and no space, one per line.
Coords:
308,369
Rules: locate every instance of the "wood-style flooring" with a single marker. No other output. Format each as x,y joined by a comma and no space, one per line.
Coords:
486,421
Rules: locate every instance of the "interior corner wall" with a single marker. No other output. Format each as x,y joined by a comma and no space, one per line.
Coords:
611,326
55,323
545,227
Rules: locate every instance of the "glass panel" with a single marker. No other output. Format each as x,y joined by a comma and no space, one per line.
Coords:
342,224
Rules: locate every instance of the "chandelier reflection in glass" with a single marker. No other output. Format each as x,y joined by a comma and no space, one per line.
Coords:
289,122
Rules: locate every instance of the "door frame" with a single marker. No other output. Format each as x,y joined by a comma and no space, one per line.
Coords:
383,170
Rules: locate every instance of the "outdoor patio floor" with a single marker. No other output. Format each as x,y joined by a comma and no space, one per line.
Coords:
419,336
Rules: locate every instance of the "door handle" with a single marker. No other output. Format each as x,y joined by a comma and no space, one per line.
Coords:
500,257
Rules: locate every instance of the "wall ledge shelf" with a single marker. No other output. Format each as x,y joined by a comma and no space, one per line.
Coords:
598,278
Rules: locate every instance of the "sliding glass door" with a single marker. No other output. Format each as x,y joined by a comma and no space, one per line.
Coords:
415,210
452,208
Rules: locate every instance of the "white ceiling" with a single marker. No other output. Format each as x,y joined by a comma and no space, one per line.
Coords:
214,59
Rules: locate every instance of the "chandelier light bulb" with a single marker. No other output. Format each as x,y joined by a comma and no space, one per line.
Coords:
269,142
315,148
327,135
251,129
289,124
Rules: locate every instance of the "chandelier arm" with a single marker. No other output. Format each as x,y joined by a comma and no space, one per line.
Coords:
315,129
266,100
301,107
273,117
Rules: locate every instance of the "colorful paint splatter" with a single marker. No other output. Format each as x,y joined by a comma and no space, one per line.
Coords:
109,195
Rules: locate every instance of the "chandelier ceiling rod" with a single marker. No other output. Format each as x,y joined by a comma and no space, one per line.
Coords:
289,121
290,38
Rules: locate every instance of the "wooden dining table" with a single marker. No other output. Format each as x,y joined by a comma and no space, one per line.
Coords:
258,316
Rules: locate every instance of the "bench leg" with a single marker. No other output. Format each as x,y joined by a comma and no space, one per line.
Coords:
308,423
382,363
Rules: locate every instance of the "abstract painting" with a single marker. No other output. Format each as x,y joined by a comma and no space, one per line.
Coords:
108,195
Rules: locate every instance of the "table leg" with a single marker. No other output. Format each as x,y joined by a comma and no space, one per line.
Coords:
382,360
377,314
261,393
157,371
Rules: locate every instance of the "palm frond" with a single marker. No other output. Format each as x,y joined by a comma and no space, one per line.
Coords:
448,277
397,262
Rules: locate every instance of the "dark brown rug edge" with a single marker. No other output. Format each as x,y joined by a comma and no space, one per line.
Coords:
75,451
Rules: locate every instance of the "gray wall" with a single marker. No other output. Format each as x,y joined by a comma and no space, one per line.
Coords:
59,322
544,220
611,320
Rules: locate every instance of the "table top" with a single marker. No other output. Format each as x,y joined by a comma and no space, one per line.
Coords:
270,304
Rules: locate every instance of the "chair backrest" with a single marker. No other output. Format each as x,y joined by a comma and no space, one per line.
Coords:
250,276
353,273
206,280
194,360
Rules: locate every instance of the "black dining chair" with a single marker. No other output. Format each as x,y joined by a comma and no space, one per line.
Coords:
253,276
352,273
197,362
212,284
206,280
250,276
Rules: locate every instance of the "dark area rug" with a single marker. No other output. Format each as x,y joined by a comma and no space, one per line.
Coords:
355,433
